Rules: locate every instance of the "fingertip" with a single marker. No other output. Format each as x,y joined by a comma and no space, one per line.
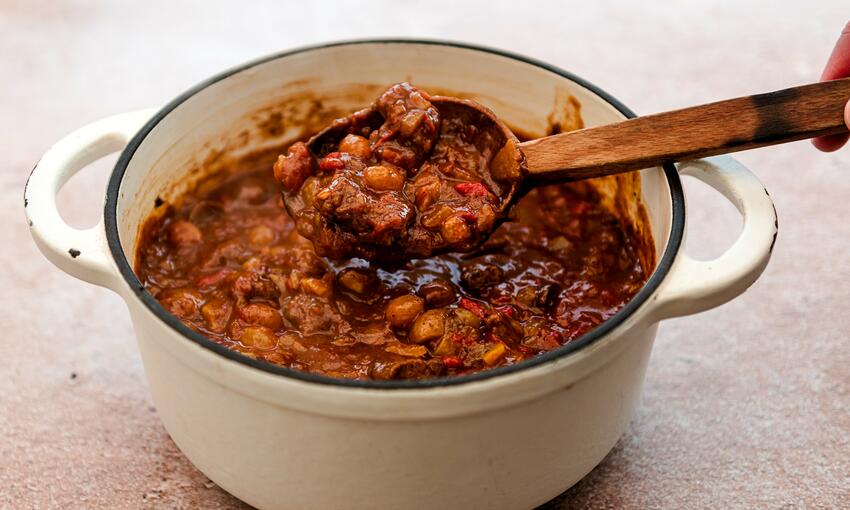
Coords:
831,143
838,65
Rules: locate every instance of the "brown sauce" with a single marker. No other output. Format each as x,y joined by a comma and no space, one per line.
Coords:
228,261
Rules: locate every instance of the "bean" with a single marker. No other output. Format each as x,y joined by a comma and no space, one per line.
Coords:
181,302
419,100
315,287
184,233
435,216
383,178
486,218
355,280
260,314
428,326
253,264
559,243
216,313
455,230
261,235
426,194
438,292
290,341
356,146
445,347
411,122
259,337
309,190
402,310
467,318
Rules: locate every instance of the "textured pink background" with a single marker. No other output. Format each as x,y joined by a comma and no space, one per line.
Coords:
745,406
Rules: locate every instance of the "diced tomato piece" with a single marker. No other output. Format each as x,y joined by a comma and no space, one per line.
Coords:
208,280
332,161
507,310
452,361
473,307
472,189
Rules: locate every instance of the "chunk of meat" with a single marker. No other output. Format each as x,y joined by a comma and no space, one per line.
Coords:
410,126
408,369
255,284
184,303
375,218
312,315
294,168
483,272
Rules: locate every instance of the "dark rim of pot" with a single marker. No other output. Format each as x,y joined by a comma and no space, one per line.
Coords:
111,225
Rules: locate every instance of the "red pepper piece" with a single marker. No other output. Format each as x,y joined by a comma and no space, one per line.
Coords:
472,189
208,280
473,307
452,361
332,161
507,310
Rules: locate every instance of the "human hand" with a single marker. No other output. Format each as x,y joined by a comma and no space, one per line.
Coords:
838,66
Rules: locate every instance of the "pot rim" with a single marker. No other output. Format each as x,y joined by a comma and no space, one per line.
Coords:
125,268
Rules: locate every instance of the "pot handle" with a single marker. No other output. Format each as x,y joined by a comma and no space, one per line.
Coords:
695,285
83,254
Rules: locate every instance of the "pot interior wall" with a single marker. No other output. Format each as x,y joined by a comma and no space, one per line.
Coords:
278,101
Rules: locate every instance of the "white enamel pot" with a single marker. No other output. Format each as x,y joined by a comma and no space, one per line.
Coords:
510,438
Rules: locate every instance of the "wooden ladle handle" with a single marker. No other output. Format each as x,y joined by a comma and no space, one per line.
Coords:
715,128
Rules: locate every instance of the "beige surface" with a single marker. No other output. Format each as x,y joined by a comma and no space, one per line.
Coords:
747,405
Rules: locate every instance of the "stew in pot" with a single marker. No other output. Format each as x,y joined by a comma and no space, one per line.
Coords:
229,262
